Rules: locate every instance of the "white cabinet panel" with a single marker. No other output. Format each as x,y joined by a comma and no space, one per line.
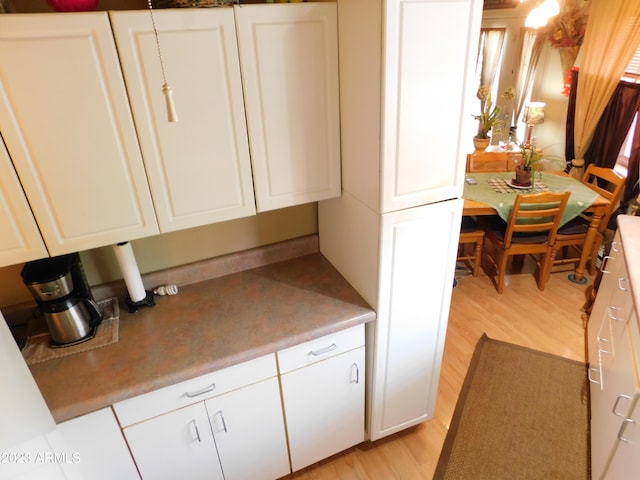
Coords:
66,122
614,366
248,428
405,101
324,407
178,444
288,55
24,412
94,447
199,168
226,421
423,126
20,239
319,349
416,301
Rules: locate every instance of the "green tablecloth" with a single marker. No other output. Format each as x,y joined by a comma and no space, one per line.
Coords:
581,196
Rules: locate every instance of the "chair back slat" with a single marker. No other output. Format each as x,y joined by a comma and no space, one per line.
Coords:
538,213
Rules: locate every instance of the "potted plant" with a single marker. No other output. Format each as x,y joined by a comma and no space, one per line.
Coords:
531,156
490,118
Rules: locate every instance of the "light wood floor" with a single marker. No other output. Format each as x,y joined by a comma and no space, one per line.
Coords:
550,321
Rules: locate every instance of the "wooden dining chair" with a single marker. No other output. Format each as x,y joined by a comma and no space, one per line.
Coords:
492,161
471,234
531,229
571,236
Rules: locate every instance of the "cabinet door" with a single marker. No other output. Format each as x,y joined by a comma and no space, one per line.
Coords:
199,168
625,463
249,432
289,60
417,267
324,407
20,239
25,413
611,266
178,444
96,448
427,95
65,119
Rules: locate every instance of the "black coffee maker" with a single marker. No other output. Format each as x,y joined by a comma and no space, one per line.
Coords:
59,286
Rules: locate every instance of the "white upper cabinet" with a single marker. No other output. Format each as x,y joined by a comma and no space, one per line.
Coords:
20,239
405,73
289,60
65,119
199,168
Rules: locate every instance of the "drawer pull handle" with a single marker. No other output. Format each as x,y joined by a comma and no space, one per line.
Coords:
593,380
605,262
324,350
616,247
601,349
216,416
208,389
622,284
195,429
615,405
625,423
616,313
355,373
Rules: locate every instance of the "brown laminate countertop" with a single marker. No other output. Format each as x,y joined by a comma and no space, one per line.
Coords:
207,326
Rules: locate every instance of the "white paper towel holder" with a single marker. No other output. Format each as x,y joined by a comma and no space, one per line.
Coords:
138,297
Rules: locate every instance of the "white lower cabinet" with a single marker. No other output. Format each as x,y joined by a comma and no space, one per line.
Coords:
177,444
92,447
249,432
614,372
323,395
229,424
224,425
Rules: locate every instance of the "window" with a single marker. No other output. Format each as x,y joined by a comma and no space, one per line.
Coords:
631,74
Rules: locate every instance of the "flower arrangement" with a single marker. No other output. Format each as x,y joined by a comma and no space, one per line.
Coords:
531,155
568,27
490,117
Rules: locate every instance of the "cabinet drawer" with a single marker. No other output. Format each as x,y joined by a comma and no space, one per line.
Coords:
185,393
317,350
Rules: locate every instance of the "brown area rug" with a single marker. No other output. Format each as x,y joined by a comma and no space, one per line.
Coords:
522,414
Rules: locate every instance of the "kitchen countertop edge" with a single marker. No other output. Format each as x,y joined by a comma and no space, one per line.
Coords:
210,325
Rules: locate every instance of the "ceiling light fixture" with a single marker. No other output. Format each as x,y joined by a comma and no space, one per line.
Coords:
539,16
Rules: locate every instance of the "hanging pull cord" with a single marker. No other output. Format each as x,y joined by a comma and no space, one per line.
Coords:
172,116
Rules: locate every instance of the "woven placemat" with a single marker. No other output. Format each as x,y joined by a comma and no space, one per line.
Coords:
37,349
502,185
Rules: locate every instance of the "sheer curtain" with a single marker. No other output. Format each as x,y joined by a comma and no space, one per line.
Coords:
611,39
491,42
531,47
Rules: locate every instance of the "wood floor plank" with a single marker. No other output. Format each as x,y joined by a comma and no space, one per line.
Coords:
550,321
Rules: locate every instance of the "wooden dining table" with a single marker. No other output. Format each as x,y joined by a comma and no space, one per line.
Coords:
596,210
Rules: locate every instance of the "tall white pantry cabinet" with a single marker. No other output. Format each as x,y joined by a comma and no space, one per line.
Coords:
406,96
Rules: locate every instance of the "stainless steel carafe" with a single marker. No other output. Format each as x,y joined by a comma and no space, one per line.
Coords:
71,320
60,287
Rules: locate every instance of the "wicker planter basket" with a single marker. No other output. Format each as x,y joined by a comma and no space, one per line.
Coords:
192,3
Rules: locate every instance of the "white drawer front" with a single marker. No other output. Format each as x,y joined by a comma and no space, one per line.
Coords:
320,349
185,393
